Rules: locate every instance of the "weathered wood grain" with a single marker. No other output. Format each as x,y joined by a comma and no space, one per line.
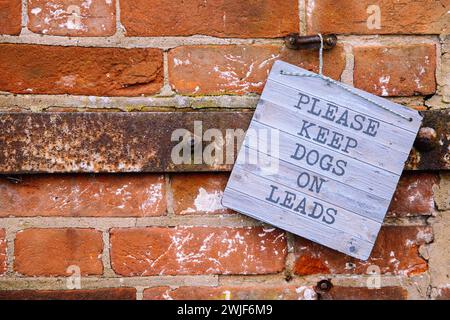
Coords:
286,220
360,175
319,161
367,204
259,187
390,135
274,115
337,95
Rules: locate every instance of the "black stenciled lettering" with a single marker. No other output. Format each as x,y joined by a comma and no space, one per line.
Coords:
314,183
330,113
301,208
336,140
315,212
329,217
313,109
313,158
358,123
340,165
304,99
322,135
372,128
343,119
272,193
288,200
351,143
304,130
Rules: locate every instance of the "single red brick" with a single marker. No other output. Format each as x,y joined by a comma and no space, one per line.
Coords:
199,193
107,195
81,18
2,252
404,70
236,69
10,17
49,252
396,252
281,292
197,250
258,19
364,293
414,195
94,294
80,70
357,17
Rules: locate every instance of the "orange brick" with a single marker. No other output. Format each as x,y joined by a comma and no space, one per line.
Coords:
364,293
401,16
258,19
199,193
396,70
414,195
49,252
36,69
2,252
97,294
10,17
234,69
396,252
107,195
79,18
197,250
263,292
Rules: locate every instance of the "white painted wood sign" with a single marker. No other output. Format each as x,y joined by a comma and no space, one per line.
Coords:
321,162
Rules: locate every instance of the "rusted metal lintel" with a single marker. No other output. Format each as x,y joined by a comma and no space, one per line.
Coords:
142,142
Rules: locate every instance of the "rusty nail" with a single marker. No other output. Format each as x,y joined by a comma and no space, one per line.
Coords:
298,42
324,285
426,139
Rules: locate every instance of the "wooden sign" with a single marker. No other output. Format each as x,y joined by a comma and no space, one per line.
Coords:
320,161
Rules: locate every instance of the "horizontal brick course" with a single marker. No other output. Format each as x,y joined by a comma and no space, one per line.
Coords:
93,294
72,17
256,292
258,19
197,250
126,195
199,193
402,17
10,17
36,69
239,69
50,252
364,293
414,195
400,70
396,252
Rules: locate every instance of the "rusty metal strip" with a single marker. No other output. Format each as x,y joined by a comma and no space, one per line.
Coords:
432,147
141,142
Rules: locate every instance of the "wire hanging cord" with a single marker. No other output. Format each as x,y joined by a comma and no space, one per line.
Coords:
339,84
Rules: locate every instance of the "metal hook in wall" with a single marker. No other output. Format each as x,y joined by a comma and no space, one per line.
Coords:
298,42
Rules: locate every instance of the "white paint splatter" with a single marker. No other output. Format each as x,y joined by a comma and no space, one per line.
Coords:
384,81
306,293
36,11
206,202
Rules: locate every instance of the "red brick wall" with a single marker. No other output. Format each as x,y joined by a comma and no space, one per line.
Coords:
161,236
